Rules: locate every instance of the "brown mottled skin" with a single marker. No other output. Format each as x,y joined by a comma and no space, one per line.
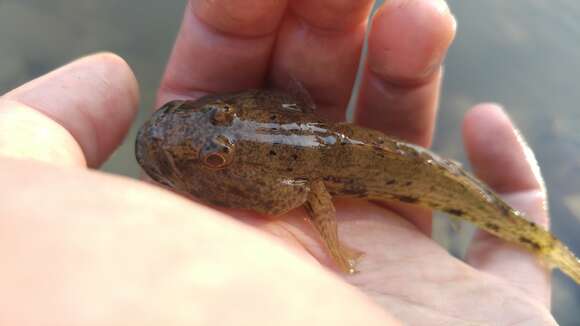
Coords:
266,151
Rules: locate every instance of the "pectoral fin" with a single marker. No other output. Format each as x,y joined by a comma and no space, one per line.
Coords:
323,216
297,89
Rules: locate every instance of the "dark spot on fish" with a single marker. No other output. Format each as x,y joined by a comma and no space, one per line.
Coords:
289,169
218,202
238,192
330,178
339,180
358,192
505,210
407,199
530,242
492,226
408,183
272,153
454,211
273,117
294,157
391,182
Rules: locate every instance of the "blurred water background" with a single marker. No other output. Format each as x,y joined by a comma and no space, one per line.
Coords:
524,54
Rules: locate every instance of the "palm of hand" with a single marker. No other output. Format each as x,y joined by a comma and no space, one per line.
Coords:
411,275
403,269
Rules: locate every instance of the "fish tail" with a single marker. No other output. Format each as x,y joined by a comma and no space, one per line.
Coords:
539,241
530,235
562,257
512,226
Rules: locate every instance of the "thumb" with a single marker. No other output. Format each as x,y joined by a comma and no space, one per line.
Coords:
74,116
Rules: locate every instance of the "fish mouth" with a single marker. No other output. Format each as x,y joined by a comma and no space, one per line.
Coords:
145,157
140,150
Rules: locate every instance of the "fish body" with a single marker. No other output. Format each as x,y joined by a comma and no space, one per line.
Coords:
267,151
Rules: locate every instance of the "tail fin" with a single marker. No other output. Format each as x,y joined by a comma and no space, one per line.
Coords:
536,239
511,225
563,258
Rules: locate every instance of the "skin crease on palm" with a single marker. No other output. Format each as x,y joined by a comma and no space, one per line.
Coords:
83,247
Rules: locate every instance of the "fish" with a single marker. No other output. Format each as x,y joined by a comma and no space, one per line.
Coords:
267,151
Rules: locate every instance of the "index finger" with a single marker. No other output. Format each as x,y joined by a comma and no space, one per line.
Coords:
223,45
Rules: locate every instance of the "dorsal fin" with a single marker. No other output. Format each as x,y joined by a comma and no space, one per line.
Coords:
296,89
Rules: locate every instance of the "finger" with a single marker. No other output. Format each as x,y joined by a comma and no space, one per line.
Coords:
82,251
93,99
507,164
29,134
402,75
223,45
319,44
400,87
501,158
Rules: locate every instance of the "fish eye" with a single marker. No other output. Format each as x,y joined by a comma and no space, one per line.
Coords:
218,153
215,160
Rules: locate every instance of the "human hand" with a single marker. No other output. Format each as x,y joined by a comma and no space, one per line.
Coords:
80,247
235,45
232,45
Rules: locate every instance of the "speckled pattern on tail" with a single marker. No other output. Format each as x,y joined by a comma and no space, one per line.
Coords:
562,257
537,240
